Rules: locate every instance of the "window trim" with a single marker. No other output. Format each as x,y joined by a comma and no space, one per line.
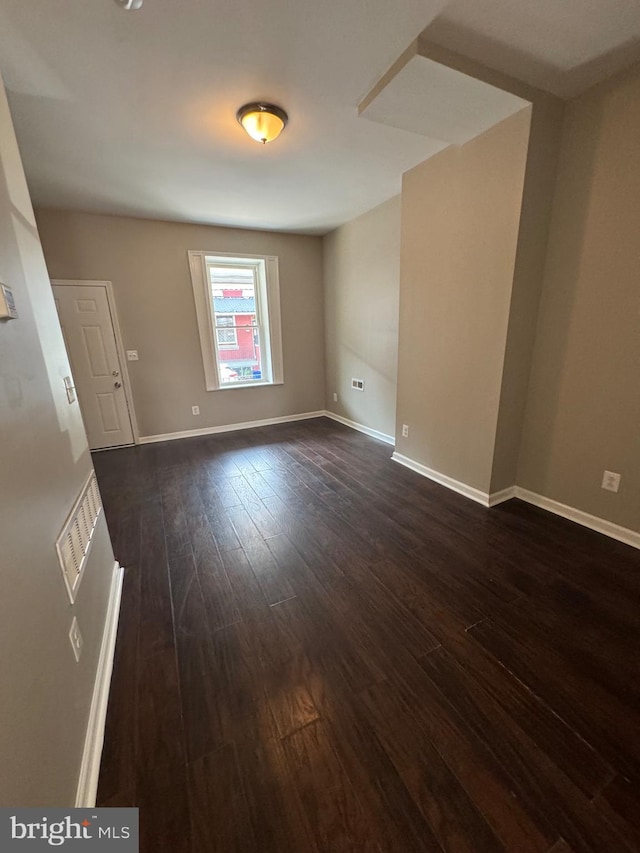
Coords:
267,285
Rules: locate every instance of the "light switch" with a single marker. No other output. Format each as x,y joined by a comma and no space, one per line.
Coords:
8,310
70,389
132,355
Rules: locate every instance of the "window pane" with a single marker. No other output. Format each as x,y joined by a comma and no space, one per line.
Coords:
234,305
233,290
244,363
240,276
225,330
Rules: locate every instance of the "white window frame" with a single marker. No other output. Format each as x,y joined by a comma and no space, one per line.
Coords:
267,295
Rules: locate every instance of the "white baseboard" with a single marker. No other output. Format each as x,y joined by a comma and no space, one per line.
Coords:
455,485
94,738
190,433
374,433
600,525
593,522
500,497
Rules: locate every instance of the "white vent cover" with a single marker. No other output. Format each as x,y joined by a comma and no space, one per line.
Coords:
75,540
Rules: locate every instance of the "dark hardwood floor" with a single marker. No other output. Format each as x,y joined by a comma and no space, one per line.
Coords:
319,650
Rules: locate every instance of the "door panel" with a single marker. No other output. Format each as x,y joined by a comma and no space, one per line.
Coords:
95,351
108,412
91,344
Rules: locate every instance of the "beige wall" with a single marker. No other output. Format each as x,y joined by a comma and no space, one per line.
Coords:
147,262
460,222
583,411
44,461
537,200
362,283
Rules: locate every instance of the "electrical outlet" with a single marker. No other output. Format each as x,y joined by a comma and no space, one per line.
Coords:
357,384
75,638
132,355
405,430
195,410
611,481
335,397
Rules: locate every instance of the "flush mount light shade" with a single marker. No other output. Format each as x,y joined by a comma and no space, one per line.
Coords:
129,5
263,122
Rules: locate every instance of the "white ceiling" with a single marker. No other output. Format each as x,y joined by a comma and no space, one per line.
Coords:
439,102
563,46
134,112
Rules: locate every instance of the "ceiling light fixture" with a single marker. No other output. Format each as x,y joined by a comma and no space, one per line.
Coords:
129,5
263,122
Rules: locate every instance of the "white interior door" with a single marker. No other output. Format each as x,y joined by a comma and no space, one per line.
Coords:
90,338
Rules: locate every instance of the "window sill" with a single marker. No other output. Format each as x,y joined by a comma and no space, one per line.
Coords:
236,386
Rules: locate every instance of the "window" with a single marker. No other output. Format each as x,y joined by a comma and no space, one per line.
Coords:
226,330
238,308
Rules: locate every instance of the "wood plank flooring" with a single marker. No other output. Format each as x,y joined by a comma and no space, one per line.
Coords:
319,650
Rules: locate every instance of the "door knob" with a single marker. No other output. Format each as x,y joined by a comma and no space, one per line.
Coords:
117,384
116,373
